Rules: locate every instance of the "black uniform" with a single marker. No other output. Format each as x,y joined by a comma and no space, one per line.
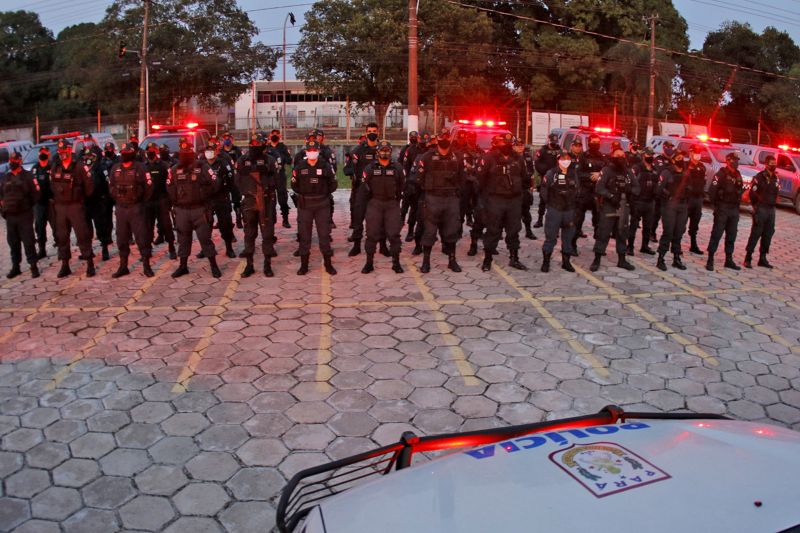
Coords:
327,155
378,202
660,163
726,195
615,190
503,177
590,163
440,177
643,206
157,207
559,190
131,187
42,209
546,159
314,185
256,181
71,187
100,204
189,188
696,186
360,156
280,153
219,203
411,192
672,194
19,193
763,196
527,193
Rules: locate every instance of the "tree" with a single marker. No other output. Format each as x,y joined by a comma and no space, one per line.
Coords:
25,61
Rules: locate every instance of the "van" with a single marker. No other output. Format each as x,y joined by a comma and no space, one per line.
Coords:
9,147
788,170
607,136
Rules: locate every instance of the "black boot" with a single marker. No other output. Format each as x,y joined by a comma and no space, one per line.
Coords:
596,263
229,250
105,253
286,221
42,251
538,222
65,271
356,249
645,249
529,232
417,249
514,261
426,259
90,271
762,261
34,270
748,260
677,263
693,248
486,266
410,234
369,266
172,254
473,247
622,262
215,271
730,264
123,268
147,270
249,270
159,240
710,263
268,267
326,261
14,272
661,264
546,261
629,250
452,264
303,270
396,263
182,269
575,252
201,254
566,264
384,249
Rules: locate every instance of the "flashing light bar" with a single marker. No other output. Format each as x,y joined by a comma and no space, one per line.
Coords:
480,122
56,136
192,125
784,147
603,129
165,127
705,138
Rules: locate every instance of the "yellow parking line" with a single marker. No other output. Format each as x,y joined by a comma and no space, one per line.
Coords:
624,299
202,345
440,319
730,312
568,336
324,356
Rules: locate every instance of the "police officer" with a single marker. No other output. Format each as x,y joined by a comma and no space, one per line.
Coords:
131,186
378,201
100,204
440,173
413,139
546,159
591,162
725,194
643,204
280,153
165,156
19,193
189,186
326,154
527,193
41,209
360,156
696,191
615,190
71,186
559,188
133,142
477,232
157,208
256,174
502,179
662,161
763,197
406,160
673,194
460,147
230,149
313,182
411,194
634,155
219,203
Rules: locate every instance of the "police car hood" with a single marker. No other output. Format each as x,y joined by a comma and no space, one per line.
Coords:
710,475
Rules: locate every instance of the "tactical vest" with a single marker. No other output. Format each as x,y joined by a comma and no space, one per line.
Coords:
365,156
312,180
697,181
66,184
767,189
42,176
506,177
15,201
159,178
383,181
730,188
561,191
189,187
125,188
648,181
674,185
441,174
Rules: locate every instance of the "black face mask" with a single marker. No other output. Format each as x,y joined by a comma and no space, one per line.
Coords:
734,165
110,155
619,162
679,163
127,158
151,156
553,145
13,165
135,146
412,140
274,138
444,145
165,156
256,151
505,149
649,160
772,168
43,157
186,158
594,146
372,136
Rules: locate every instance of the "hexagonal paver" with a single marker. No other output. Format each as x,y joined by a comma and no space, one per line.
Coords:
38,526
161,480
256,484
108,492
245,517
55,503
89,520
27,483
92,445
262,452
205,499
47,455
308,437
184,424
139,435
212,466
76,473
193,524
146,512
13,512
124,462
173,450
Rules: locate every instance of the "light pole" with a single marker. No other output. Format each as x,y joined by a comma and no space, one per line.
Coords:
289,18
143,80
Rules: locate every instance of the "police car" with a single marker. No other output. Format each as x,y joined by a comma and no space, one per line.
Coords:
171,135
612,471
484,129
788,160
607,137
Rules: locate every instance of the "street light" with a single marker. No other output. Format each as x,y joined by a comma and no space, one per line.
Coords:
123,51
289,18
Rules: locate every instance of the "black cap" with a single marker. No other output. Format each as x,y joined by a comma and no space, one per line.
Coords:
577,142
384,145
444,134
64,145
184,146
553,137
312,145
732,156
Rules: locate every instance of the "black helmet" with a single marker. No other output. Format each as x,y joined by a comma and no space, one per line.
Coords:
413,134
312,145
732,156
185,146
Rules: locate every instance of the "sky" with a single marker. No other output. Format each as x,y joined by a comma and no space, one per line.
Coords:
269,15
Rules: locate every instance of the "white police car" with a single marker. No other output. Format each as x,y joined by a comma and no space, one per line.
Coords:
613,471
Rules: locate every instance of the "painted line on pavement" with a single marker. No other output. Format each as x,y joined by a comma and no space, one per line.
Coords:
324,355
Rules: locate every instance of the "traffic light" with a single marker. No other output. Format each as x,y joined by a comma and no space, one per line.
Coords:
122,50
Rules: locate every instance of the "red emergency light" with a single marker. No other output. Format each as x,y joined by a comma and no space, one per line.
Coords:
69,135
481,122
705,138
603,129
164,127
784,147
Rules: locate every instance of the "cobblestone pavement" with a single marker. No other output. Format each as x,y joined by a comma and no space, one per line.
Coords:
184,405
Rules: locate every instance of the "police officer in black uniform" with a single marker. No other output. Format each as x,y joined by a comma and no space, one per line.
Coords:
527,193
360,156
190,184
19,192
130,186
166,157
590,164
378,201
763,197
256,175
697,188
280,153
313,182
725,194
100,204
634,155
157,209
411,194
615,190
662,161
559,188
219,203
673,195
71,186
502,179
42,208
546,159
230,149
440,174
643,204
478,230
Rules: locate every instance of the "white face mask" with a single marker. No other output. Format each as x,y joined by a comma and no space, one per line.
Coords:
312,156
564,163
210,154
696,157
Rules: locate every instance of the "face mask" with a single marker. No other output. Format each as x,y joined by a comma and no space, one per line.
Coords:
679,163
668,151
274,138
564,163
553,144
505,149
594,146
135,146
210,154
65,156
109,154
256,151
649,160
619,162
444,145
372,136
734,165
186,158
696,157
13,165
227,142
413,140
151,156
165,156
312,155
127,158
772,167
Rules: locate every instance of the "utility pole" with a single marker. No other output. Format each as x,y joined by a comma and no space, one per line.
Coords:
413,106
289,18
651,100
143,74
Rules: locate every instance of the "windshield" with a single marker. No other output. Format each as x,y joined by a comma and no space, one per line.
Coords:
170,139
33,154
605,143
721,152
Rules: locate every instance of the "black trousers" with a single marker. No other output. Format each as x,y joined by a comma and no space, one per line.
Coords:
19,234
